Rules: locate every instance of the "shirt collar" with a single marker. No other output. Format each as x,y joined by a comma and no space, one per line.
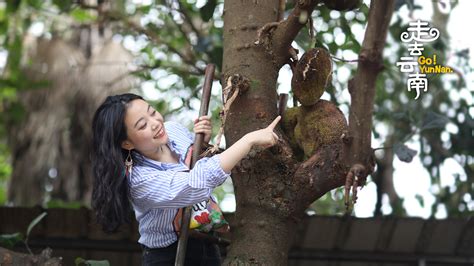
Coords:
164,166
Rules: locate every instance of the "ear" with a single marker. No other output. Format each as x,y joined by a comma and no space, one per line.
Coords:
127,145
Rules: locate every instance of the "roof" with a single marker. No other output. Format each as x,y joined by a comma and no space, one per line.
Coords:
384,239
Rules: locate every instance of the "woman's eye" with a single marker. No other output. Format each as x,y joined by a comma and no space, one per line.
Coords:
143,127
153,113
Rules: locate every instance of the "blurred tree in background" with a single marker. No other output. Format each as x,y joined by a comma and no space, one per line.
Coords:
51,85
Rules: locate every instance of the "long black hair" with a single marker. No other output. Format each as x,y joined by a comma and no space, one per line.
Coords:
110,194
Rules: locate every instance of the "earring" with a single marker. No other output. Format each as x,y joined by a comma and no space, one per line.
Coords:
129,163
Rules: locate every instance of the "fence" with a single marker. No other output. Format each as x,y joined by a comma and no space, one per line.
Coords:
319,240
73,233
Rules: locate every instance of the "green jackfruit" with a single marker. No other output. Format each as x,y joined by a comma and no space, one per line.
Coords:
319,125
290,118
311,76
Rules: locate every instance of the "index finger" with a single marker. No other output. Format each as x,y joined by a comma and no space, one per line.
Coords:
275,122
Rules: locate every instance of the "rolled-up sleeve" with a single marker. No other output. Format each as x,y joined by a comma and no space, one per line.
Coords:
151,188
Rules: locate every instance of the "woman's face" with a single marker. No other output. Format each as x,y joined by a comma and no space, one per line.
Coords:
145,130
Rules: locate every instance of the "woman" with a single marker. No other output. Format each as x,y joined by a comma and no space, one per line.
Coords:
139,162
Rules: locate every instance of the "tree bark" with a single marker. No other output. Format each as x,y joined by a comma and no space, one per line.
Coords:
265,184
260,238
40,143
272,188
362,86
258,217
10,258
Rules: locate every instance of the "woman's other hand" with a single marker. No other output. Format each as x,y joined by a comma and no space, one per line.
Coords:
203,125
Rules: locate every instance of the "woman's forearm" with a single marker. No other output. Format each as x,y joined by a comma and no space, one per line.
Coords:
263,137
232,155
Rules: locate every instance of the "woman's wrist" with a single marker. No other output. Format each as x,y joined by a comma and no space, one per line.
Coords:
247,138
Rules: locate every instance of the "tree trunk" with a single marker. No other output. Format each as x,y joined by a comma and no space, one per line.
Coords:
260,238
272,187
51,145
259,217
271,191
40,142
383,178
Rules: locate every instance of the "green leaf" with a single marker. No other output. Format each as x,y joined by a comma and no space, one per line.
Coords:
98,262
80,261
303,39
420,199
13,5
35,222
434,120
63,5
208,10
364,8
399,115
10,240
82,16
319,44
3,27
63,204
14,57
144,9
16,112
3,194
191,81
404,153
217,56
401,3
35,3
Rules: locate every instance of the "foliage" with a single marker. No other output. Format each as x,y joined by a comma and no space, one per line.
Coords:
427,121
424,121
10,240
5,171
60,204
80,261
174,40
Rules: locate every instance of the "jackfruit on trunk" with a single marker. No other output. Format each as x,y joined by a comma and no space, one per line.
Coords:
289,121
319,125
311,76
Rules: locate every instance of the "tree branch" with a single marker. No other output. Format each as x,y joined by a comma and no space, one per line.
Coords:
286,32
362,86
319,174
327,169
187,28
188,19
183,31
153,37
281,9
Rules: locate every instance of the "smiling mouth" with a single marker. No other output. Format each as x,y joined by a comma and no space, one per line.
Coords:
160,133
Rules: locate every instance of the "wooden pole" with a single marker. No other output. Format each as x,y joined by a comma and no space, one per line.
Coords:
199,137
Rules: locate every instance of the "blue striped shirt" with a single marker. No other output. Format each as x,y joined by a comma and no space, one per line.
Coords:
159,189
